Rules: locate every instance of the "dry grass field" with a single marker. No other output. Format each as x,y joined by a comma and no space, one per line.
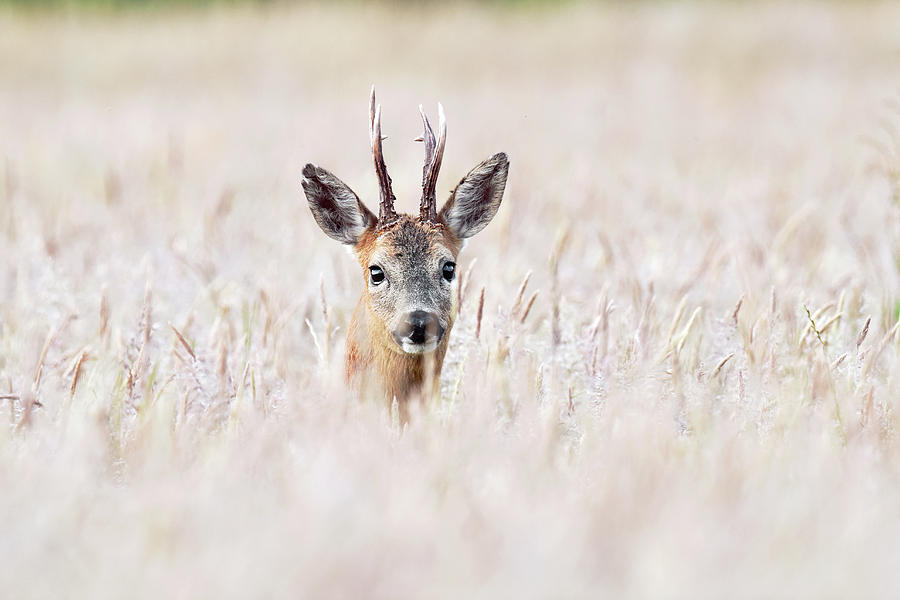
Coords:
667,420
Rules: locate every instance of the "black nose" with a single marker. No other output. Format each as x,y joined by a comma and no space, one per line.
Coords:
420,326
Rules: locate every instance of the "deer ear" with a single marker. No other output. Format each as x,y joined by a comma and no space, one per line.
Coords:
337,210
477,198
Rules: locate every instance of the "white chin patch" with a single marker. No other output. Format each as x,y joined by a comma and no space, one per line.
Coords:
411,348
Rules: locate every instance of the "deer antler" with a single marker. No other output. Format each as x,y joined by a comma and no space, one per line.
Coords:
434,154
386,212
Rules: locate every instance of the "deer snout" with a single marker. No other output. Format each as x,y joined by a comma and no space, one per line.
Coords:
419,328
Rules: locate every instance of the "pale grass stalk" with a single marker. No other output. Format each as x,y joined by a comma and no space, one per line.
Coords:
682,337
559,248
234,410
873,356
253,391
479,313
838,362
863,333
315,338
812,318
866,408
31,399
555,331
76,372
465,282
457,383
12,398
837,407
138,367
592,364
528,306
222,371
676,319
326,319
104,316
737,310
830,322
39,368
517,304
184,343
722,364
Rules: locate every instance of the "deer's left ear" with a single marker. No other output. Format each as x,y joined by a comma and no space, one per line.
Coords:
477,198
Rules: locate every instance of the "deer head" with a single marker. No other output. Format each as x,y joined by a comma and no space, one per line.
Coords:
408,263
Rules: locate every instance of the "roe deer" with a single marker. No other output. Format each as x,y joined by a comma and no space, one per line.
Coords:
400,327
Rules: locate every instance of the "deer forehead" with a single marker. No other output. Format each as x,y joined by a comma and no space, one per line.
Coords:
408,245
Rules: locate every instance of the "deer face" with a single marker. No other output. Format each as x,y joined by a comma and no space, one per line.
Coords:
409,264
410,271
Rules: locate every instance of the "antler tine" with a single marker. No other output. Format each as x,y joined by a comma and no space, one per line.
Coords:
428,139
386,212
372,116
434,154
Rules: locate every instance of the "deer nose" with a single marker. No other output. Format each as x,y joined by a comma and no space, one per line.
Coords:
420,327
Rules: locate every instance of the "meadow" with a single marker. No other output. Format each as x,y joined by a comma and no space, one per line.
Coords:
680,382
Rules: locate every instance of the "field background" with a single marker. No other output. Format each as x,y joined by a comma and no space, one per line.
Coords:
686,181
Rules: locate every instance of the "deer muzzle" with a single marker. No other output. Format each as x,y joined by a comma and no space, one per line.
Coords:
420,331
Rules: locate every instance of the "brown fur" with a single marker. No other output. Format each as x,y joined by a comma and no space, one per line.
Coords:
370,346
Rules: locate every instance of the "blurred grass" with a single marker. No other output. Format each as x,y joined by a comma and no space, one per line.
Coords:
685,179
193,4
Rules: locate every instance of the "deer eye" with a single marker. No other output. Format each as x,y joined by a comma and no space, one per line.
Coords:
449,271
376,274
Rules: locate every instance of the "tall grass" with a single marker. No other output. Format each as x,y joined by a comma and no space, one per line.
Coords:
673,373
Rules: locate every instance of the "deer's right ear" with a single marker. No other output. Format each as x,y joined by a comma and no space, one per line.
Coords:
337,210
